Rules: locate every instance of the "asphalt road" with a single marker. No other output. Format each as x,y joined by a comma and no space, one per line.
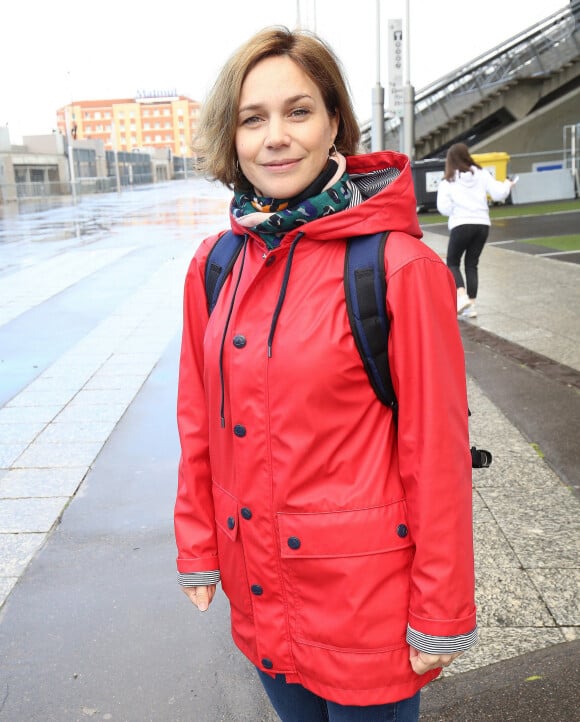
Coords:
511,232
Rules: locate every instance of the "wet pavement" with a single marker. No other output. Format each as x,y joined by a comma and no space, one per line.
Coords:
93,625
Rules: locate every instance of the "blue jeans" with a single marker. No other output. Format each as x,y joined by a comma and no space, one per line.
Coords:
294,703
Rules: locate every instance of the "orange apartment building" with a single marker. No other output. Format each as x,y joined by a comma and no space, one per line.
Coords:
158,119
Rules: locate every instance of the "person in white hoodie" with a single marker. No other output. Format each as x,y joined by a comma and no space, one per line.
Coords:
462,195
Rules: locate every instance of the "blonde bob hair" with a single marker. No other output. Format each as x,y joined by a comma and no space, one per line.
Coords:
215,140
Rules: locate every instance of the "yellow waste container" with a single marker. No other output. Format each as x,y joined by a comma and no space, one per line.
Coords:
495,163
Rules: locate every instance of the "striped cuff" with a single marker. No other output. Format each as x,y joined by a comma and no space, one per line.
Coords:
441,645
198,579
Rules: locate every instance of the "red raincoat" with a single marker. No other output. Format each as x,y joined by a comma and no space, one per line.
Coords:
332,529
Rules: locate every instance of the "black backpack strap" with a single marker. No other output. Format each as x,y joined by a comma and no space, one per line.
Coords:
366,292
219,264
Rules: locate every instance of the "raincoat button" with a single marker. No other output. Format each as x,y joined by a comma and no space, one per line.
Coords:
294,542
239,430
239,341
402,530
267,663
270,260
231,522
257,589
246,513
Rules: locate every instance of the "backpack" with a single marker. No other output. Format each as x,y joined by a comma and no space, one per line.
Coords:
365,287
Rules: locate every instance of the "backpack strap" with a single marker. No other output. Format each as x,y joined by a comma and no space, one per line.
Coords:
366,291
219,264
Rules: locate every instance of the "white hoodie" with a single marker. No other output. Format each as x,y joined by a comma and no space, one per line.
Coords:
464,199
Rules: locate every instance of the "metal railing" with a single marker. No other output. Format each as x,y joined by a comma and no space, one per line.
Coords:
538,51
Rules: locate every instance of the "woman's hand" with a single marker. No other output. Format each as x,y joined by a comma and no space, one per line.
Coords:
423,662
200,596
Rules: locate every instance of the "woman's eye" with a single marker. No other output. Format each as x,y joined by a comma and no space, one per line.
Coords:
252,120
300,112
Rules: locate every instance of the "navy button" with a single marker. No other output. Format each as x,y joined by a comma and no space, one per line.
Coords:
239,430
294,542
270,260
239,341
267,663
246,513
256,589
402,530
231,522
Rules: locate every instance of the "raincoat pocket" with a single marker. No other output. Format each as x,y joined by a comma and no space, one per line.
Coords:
347,574
230,550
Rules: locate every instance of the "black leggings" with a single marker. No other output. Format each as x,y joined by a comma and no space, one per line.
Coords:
469,239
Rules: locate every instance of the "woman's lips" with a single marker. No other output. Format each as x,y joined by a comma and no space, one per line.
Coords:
281,165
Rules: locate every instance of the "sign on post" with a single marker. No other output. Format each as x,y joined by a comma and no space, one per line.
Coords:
395,45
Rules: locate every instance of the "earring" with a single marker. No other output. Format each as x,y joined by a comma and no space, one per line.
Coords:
332,150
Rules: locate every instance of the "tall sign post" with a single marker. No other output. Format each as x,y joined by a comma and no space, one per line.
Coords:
395,100
69,124
408,94
378,96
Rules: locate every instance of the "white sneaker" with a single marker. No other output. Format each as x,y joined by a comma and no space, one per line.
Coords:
462,302
469,311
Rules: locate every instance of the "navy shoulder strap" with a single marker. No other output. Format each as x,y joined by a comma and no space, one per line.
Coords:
219,264
366,290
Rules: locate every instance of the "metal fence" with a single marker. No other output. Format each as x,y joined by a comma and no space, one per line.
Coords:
55,189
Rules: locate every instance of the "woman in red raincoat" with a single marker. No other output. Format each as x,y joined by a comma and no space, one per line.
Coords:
342,540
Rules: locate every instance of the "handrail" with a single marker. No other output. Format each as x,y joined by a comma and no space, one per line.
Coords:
498,65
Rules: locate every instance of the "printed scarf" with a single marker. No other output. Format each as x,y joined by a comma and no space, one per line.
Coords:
271,218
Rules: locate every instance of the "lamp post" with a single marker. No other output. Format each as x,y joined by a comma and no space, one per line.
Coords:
378,94
408,93
184,151
71,162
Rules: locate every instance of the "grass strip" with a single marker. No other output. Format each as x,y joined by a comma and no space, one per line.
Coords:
570,242
511,211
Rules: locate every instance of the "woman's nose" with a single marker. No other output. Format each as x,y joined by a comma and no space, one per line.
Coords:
277,133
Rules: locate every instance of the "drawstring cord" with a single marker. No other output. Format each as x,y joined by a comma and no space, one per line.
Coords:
282,295
230,311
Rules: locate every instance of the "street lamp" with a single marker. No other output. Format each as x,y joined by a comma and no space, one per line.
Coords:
408,94
71,162
378,95
184,151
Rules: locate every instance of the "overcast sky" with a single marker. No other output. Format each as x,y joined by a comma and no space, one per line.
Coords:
54,52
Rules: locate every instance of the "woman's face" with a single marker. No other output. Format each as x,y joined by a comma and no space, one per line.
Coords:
284,131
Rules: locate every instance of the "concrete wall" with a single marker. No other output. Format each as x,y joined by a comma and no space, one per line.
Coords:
51,144
540,131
